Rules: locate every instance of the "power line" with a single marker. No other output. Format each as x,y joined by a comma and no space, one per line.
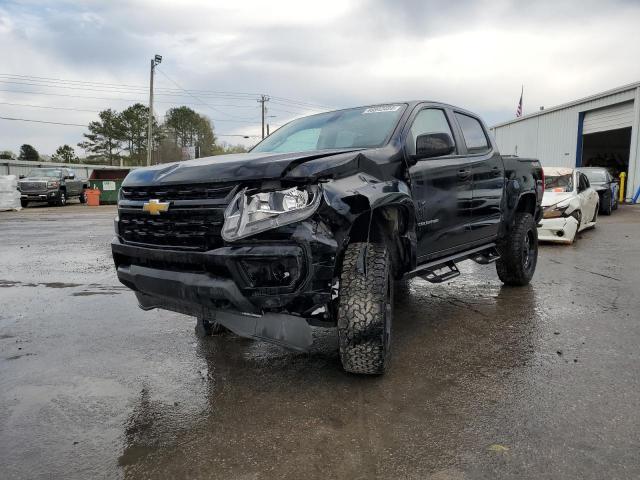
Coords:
52,108
85,126
42,121
43,81
122,100
192,95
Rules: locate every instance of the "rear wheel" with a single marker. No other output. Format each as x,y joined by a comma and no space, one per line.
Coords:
365,311
519,252
82,197
606,204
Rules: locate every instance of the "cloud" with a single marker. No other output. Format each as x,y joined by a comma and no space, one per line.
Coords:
476,54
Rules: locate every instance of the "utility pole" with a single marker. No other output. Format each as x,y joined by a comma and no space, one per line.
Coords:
154,61
263,99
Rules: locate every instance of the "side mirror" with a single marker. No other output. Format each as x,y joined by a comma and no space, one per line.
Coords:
21,177
430,145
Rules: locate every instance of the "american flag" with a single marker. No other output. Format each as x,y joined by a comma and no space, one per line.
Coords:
519,109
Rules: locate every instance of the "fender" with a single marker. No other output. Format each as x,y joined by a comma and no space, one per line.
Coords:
372,208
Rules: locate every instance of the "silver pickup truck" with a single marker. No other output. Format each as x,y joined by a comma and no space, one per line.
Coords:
54,185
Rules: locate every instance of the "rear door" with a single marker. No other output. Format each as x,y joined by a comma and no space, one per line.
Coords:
441,186
488,178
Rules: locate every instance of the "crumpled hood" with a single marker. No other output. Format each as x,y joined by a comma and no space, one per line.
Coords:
225,168
551,198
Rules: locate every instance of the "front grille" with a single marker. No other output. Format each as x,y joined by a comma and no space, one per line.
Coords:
193,222
201,191
32,186
180,229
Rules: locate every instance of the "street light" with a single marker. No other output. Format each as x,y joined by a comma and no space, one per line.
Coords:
156,60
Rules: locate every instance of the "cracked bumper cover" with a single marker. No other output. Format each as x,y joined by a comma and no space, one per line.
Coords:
560,230
213,282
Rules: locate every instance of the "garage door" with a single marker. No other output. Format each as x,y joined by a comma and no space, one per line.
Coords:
608,118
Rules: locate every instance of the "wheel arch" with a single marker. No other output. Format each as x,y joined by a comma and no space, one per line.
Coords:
394,224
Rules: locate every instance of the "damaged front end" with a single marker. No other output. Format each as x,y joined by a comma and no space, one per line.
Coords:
560,223
260,257
270,274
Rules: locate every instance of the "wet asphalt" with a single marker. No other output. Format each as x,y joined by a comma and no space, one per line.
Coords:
487,382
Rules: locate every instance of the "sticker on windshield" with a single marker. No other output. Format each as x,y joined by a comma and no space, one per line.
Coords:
382,108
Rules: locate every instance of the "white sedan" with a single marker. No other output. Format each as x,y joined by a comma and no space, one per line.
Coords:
569,204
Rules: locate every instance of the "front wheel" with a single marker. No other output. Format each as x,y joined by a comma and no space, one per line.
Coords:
365,309
519,252
24,203
207,326
62,199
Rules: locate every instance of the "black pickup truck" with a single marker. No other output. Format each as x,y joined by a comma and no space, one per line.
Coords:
314,224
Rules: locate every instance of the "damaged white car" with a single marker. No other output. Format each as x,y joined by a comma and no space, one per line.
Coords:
569,204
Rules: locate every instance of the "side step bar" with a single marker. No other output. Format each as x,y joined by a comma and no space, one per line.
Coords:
483,254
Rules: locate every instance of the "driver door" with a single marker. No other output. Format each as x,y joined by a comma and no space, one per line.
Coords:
441,188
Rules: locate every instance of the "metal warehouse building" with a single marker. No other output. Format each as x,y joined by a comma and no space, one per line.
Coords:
600,130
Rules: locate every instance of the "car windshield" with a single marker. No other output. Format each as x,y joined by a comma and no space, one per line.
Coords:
595,176
364,127
45,172
558,183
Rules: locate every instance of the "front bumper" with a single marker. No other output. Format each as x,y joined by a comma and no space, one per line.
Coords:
40,196
232,278
559,230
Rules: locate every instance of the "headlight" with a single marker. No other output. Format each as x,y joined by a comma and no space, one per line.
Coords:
53,184
555,211
250,214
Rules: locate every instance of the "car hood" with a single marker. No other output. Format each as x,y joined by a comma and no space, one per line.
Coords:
227,168
599,186
38,179
551,198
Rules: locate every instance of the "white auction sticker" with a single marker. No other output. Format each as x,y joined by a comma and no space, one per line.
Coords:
382,108
108,185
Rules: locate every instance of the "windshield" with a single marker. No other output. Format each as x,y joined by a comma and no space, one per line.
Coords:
45,172
364,127
595,176
558,183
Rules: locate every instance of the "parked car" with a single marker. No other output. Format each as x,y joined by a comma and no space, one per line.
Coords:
313,225
569,204
606,185
54,185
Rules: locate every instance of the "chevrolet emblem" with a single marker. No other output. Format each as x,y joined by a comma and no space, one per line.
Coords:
155,207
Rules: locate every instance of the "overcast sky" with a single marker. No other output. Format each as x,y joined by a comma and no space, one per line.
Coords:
333,53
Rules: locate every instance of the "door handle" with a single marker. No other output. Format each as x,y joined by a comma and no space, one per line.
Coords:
464,172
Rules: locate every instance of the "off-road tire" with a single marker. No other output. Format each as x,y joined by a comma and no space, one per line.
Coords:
205,327
365,309
24,203
519,252
62,199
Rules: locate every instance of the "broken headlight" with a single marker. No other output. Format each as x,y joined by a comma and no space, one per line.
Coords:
555,211
248,214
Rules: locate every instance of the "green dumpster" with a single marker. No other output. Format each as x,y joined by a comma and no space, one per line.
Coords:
108,189
108,182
